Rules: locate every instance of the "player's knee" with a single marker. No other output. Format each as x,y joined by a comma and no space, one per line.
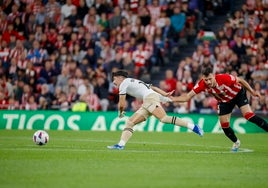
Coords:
249,115
129,124
225,124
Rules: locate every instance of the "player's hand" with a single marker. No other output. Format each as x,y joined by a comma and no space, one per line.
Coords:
170,93
121,114
256,94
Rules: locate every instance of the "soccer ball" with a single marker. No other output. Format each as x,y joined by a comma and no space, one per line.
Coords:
40,137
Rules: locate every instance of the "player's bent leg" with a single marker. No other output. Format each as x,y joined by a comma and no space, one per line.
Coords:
125,136
179,122
160,114
229,132
250,116
128,131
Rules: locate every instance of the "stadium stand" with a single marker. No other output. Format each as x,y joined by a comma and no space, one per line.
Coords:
54,54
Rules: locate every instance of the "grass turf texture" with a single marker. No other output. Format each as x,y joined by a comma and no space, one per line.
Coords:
80,159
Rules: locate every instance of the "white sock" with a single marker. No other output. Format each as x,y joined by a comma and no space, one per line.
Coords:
121,143
190,126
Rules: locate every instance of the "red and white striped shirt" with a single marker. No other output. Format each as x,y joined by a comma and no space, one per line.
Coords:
92,102
139,57
134,4
4,54
17,52
226,89
154,11
150,29
3,24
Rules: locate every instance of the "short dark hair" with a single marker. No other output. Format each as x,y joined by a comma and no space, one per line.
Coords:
120,73
207,70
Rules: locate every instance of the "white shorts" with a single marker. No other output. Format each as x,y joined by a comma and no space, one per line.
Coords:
150,103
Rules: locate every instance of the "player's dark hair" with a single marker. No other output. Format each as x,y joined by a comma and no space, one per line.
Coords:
120,73
207,70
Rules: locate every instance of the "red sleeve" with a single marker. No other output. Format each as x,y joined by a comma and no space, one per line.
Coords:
199,87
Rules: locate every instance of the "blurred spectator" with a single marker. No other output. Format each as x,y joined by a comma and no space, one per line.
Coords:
34,6
115,20
62,79
27,92
72,95
19,26
195,70
82,8
144,13
190,18
31,104
178,20
128,13
30,25
239,47
41,15
116,62
260,74
73,16
102,90
13,14
103,21
154,10
207,108
12,104
187,83
47,73
45,98
169,83
140,58
91,99
17,51
67,8
9,32
51,6
77,54
58,17
197,102
63,102
37,54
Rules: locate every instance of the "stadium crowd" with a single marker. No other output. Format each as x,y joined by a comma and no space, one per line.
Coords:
57,54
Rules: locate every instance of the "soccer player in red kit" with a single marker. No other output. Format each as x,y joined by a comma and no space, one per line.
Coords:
229,91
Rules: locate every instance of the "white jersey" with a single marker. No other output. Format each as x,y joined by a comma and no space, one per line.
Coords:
138,89
135,88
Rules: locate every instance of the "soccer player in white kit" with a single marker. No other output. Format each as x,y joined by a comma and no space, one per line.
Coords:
152,97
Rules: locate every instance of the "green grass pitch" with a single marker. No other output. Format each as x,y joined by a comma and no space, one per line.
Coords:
151,160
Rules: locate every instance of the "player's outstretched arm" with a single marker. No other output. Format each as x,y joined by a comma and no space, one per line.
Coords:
246,85
162,92
183,98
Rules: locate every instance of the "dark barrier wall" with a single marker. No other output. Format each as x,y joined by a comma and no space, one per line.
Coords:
108,121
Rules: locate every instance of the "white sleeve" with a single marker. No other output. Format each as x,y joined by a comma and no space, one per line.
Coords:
164,99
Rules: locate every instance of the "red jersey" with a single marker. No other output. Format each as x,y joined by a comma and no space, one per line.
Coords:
226,89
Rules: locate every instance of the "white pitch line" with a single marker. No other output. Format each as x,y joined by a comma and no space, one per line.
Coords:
71,149
61,149
241,150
